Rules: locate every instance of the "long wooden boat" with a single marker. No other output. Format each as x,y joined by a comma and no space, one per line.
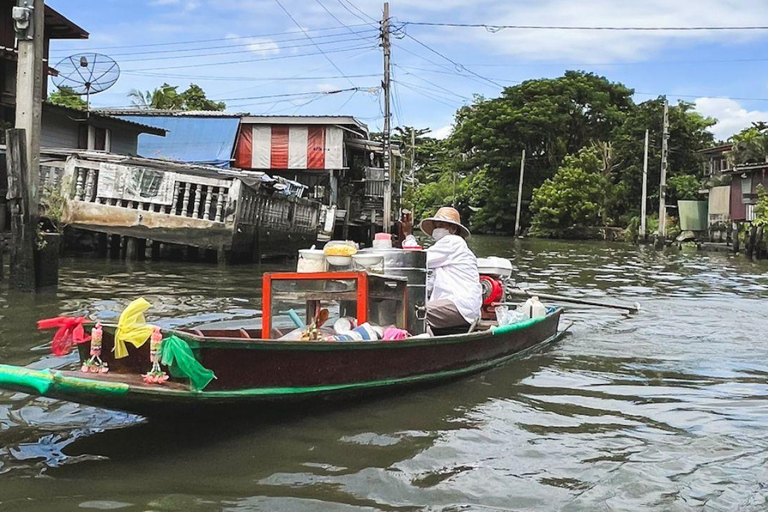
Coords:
252,371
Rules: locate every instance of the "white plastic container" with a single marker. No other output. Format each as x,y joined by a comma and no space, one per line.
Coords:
311,260
533,308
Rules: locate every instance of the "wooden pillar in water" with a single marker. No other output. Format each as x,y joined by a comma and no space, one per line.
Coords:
102,245
141,248
155,251
736,238
131,248
23,221
114,247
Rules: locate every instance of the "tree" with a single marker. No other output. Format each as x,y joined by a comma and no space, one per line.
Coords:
549,118
574,197
195,99
66,97
167,97
750,145
688,134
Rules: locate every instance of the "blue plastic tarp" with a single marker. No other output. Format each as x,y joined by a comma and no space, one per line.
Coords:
199,140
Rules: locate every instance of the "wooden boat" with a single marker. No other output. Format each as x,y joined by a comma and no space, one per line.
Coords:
251,370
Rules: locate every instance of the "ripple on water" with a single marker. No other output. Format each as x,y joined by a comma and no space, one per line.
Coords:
663,410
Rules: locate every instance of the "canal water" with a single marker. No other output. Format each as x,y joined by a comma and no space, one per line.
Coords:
664,410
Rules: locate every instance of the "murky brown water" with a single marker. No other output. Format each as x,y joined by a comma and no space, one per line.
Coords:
666,410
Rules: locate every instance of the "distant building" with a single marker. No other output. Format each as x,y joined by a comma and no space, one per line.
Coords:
732,192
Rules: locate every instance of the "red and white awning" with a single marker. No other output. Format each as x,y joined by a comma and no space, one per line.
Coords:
266,147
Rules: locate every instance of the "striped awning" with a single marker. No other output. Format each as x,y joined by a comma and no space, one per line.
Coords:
275,147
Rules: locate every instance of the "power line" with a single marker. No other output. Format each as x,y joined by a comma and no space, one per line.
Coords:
266,49
358,10
244,61
254,41
249,78
313,41
150,45
496,28
426,95
458,65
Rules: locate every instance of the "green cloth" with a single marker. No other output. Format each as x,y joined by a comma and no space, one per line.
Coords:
176,354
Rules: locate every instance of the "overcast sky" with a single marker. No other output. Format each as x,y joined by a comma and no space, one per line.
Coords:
251,54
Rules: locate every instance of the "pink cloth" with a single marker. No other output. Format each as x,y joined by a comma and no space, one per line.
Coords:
395,334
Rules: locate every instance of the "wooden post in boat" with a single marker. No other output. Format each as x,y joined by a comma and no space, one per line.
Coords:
520,195
347,206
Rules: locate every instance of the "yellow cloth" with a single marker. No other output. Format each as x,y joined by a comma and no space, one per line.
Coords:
132,327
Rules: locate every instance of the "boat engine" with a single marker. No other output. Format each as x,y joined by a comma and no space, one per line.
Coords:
494,274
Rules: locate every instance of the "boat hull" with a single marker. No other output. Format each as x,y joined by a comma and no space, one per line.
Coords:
260,372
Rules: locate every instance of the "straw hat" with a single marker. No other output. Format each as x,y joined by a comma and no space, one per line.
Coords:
444,214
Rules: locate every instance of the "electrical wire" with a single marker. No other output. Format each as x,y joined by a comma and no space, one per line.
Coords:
251,42
244,61
199,41
310,38
496,28
358,10
429,96
266,49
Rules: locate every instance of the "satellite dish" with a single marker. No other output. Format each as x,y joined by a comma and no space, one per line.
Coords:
86,74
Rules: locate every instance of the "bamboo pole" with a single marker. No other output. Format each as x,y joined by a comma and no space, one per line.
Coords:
520,292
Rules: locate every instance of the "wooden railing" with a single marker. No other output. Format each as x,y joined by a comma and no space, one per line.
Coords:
195,197
286,212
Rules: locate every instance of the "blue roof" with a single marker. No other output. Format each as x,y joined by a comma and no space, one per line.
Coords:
200,140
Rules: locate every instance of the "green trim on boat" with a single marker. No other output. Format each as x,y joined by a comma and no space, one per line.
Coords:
46,382
504,329
18,377
84,386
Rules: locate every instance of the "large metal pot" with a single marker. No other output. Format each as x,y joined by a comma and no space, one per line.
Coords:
412,265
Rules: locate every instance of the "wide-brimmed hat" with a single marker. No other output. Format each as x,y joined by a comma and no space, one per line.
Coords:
444,214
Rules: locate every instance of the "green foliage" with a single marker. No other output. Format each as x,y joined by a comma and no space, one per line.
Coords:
573,198
549,118
761,207
167,97
750,146
688,133
66,97
684,187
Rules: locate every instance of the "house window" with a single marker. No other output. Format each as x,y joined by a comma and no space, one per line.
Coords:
95,138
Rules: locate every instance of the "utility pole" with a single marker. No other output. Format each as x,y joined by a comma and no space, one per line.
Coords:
23,143
520,195
644,204
29,18
663,183
387,128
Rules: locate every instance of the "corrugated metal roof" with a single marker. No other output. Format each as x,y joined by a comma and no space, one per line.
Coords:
339,120
74,114
146,112
200,140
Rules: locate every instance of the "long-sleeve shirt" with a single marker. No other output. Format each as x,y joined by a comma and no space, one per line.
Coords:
455,276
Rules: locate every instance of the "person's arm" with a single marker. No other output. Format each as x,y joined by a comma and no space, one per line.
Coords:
406,226
440,253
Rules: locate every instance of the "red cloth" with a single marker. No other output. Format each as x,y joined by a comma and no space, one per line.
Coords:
71,332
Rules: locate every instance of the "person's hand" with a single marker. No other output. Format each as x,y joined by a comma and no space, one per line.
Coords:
406,223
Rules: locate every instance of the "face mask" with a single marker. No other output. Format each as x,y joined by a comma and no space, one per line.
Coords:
439,233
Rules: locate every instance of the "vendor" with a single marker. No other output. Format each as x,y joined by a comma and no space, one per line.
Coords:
456,296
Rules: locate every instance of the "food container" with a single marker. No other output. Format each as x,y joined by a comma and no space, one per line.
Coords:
382,241
311,260
368,260
339,253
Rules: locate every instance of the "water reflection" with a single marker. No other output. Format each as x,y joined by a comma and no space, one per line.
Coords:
664,410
